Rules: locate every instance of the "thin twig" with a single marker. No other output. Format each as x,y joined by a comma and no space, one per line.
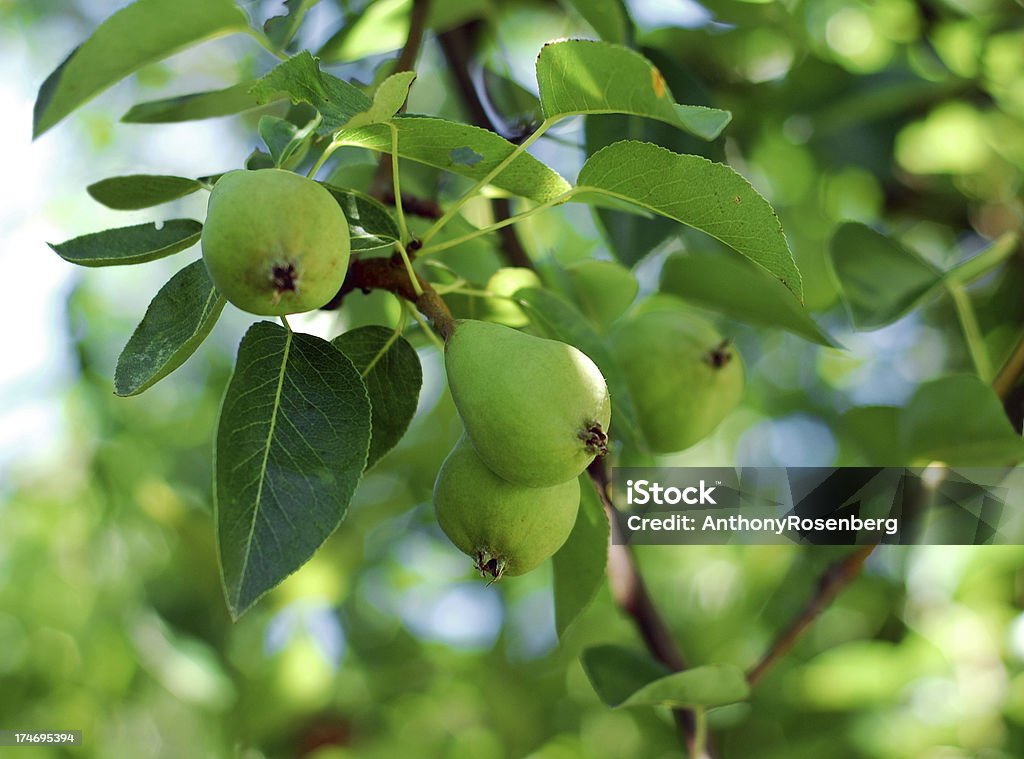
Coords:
455,44
838,575
406,62
1011,371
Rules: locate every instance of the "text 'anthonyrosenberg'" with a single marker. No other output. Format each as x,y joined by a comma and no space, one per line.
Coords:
776,525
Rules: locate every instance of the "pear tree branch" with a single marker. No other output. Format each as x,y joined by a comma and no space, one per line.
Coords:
391,274
630,593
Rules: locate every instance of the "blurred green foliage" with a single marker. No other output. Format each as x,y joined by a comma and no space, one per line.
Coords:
907,116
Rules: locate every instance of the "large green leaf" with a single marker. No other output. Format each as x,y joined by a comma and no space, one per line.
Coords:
292,442
697,192
144,32
301,80
199,105
136,191
705,687
370,225
462,149
391,370
130,245
631,236
176,323
617,672
740,290
588,77
880,279
562,321
579,565
959,420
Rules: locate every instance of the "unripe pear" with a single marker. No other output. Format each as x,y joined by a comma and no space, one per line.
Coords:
536,410
507,529
683,377
275,242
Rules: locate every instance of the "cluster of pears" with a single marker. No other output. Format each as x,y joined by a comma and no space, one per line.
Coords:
275,242
536,413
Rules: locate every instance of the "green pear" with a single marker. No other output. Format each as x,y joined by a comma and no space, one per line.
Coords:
683,377
536,410
275,242
507,529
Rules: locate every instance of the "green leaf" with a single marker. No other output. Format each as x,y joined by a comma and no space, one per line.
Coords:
579,565
300,79
135,191
959,420
740,290
277,135
390,368
370,225
880,279
694,191
199,105
617,672
281,29
287,142
462,149
562,321
630,237
706,687
388,100
130,245
607,17
587,77
603,289
292,441
144,32
383,26
176,323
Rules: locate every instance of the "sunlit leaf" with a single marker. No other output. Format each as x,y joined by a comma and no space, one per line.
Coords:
462,149
143,32
588,77
697,192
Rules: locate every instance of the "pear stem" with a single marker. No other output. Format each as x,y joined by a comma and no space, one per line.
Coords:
390,274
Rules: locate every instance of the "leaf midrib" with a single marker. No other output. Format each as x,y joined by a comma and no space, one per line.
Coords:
263,465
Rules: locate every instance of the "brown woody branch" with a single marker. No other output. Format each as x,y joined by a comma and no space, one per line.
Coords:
456,44
630,594
838,575
406,62
366,274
